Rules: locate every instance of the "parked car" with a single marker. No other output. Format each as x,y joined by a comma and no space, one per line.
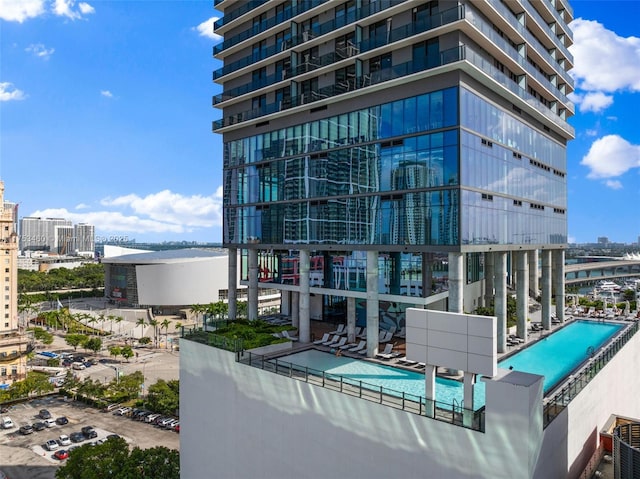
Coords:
166,421
49,422
26,429
151,417
39,426
111,407
51,445
44,414
61,421
64,440
89,432
112,436
7,423
61,454
78,365
122,411
77,437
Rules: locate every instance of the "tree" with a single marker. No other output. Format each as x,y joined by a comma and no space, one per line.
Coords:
75,340
154,323
93,344
118,320
113,459
41,335
127,352
140,322
165,325
115,351
164,396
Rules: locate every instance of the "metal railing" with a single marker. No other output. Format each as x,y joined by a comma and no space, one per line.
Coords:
626,456
198,335
451,413
561,399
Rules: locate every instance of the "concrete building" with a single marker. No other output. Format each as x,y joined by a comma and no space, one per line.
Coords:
171,280
84,239
40,234
14,345
395,164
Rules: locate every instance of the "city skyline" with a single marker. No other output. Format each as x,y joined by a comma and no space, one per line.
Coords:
121,124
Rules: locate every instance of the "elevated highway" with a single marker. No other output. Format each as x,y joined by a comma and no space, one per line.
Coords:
591,272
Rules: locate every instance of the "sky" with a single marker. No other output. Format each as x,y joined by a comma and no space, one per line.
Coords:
105,117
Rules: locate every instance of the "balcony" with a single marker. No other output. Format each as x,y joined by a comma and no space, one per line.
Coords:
268,23
350,50
232,15
308,35
533,13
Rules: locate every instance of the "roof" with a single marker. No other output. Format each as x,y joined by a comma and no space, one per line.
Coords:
167,256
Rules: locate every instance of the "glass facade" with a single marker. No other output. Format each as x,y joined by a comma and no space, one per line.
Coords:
334,181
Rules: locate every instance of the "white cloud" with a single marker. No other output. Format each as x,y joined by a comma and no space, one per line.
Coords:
613,184
39,50
162,212
20,10
604,61
8,92
67,8
593,101
106,93
611,156
205,29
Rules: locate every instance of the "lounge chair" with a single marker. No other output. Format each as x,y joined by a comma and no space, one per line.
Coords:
385,337
341,342
335,339
362,345
407,362
363,334
285,334
420,365
402,333
339,330
325,337
386,352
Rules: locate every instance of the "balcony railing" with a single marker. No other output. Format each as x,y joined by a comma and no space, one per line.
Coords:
538,18
268,23
561,399
387,74
238,12
307,35
419,405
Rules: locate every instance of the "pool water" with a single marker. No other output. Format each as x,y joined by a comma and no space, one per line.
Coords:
553,357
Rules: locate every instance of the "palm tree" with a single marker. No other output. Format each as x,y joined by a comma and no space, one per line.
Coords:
119,319
92,319
140,322
154,323
198,309
165,324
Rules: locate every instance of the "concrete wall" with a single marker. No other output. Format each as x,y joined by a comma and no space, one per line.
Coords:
241,422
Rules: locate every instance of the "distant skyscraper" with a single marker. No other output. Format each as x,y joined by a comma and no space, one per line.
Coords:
603,240
85,238
39,234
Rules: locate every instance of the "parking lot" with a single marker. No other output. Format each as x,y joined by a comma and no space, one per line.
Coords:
25,456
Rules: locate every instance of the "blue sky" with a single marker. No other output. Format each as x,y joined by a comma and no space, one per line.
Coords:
105,117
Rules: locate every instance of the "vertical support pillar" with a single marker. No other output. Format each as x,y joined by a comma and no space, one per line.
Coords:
534,260
427,274
373,308
285,303
489,279
522,292
252,298
232,301
351,319
305,327
501,299
467,398
430,389
546,288
558,282
295,309
395,278
456,282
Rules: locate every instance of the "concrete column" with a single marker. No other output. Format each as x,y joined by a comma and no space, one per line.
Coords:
427,274
305,326
252,305
546,288
395,276
285,303
501,299
456,282
469,382
232,287
534,260
522,292
295,309
351,320
489,279
558,282
430,389
373,308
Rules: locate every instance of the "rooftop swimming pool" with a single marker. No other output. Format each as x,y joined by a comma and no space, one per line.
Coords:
553,357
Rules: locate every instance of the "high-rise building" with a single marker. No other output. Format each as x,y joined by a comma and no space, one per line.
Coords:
13,343
40,234
85,238
385,156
